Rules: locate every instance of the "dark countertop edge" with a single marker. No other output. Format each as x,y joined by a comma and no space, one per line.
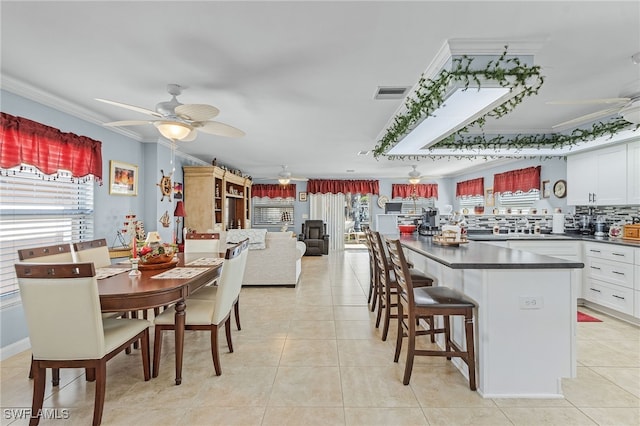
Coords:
559,237
556,264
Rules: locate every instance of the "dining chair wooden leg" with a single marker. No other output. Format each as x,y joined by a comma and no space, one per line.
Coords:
101,381
146,362
157,350
447,334
227,329
39,378
236,313
90,374
214,350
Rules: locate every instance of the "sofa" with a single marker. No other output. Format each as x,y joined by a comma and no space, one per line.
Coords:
275,258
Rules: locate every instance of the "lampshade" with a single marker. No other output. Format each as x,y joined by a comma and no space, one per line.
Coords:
179,211
173,130
284,181
153,237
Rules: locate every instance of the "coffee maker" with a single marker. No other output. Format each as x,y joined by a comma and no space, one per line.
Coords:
585,224
430,221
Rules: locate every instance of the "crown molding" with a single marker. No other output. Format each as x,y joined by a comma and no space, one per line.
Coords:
37,94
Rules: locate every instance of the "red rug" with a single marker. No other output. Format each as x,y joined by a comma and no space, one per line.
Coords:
582,317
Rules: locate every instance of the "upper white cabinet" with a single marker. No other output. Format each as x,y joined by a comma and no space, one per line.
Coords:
633,171
598,177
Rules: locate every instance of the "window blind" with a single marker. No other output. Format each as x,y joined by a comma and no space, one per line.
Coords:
272,211
39,210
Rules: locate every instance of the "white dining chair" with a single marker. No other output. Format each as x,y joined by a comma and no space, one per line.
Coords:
47,254
209,292
62,308
203,314
95,251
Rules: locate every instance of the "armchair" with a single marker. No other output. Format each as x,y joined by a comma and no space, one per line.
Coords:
314,235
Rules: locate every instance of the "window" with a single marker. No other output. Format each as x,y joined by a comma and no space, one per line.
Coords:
39,210
272,211
470,201
519,199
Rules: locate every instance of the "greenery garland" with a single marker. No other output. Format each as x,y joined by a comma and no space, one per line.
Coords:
507,72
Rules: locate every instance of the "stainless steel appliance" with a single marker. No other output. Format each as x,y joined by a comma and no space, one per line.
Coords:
429,222
586,224
600,227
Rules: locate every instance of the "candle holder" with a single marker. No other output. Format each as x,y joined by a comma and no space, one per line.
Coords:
134,272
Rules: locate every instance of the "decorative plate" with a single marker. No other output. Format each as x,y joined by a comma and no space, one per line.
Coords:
382,200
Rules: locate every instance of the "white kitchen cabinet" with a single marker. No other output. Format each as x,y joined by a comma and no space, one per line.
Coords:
598,177
633,171
609,276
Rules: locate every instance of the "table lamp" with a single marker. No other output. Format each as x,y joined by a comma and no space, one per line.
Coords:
178,213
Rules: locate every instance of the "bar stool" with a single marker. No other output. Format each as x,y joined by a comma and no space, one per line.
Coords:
386,284
426,302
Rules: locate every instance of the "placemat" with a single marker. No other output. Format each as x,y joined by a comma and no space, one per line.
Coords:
180,273
102,273
206,261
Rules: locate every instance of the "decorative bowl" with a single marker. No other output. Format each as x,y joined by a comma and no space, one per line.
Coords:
156,258
407,229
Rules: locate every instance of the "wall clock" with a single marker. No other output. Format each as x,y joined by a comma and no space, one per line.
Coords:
382,200
560,189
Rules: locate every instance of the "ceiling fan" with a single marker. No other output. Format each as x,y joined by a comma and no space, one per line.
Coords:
177,121
284,177
414,176
627,106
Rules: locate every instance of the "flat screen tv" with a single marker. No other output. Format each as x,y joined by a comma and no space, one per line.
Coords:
393,208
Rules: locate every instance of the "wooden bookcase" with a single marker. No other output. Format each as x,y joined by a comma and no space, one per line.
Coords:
215,198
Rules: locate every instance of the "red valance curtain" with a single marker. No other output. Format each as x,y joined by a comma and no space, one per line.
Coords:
24,141
421,190
317,186
517,180
470,188
273,190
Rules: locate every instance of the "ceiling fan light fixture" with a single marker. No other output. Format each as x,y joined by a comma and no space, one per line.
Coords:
173,130
284,181
414,180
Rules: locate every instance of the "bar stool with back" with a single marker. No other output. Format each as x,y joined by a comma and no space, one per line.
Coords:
418,303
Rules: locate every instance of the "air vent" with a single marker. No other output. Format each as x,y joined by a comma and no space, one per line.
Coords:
363,152
391,92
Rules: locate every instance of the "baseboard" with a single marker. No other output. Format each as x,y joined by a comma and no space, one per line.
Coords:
14,348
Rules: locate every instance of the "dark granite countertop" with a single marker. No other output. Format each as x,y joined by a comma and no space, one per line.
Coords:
551,237
474,255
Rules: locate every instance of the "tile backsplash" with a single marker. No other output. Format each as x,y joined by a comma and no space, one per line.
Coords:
509,222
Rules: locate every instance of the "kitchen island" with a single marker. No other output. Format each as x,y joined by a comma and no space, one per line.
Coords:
525,321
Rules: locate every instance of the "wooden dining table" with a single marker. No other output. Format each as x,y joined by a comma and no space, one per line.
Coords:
123,293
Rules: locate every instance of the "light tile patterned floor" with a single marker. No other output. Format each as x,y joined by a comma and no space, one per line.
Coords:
311,355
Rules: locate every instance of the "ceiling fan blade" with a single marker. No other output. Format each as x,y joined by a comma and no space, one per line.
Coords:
130,107
128,123
301,179
217,128
588,117
603,101
196,112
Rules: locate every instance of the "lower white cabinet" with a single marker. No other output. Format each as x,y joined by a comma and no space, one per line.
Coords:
610,277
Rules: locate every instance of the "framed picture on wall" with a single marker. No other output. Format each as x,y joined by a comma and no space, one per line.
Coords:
489,199
123,178
546,189
302,196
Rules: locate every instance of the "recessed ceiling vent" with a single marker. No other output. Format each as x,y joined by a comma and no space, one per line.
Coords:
391,92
